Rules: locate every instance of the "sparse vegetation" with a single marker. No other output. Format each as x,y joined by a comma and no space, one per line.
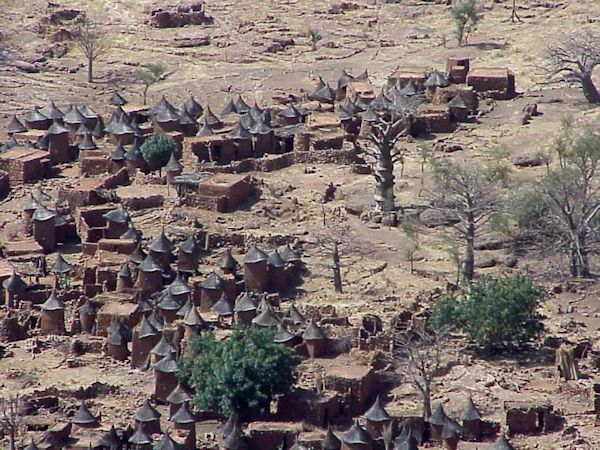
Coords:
149,75
466,16
560,212
495,312
314,37
241,373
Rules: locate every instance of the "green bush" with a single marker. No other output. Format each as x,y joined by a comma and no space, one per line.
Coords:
466,17
495,312
241,373
157,149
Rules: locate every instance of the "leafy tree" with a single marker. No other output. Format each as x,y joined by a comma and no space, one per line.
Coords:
149,75
157,149
496,312
470,195
314,37
465,15
560,213
241,373
412,239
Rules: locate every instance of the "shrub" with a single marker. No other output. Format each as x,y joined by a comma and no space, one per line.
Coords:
466,17
495,312
157,149
241,373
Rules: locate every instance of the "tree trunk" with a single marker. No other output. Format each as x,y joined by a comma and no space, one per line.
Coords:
580,265
426,403
384,178
145,93
90,74
11,441
589,89
468,263
337,274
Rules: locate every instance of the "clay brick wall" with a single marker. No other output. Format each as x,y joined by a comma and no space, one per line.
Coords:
151,201
4,182
94,165
205,202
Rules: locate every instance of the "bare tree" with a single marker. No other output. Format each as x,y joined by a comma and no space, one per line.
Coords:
149,75
92,43
412,242
560,213
468,195
10,418
336,240
513,14
388,124
420,357
573,61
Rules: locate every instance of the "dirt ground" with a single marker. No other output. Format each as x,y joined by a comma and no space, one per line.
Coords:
377,37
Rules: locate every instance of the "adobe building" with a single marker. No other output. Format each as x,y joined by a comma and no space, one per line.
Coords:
145,337
212,289
188,256
149,278
165,377
52,316
25,165
377,419
497,83
255,270
147,418
471,422
315,340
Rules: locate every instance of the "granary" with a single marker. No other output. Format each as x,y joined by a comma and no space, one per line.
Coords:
173,168
52,316
15,126
167,443
58,143
87,316
176,398
284,336
24,165
227,263
110,439
83,418
44,228
117,221
141,439
186,308
331,441
124,280
60,268
13,286
315,340
451,432
188,256
193,323
31,204
149,278
356,438
266,318
31,446
255,270
437,420
502,443
223,307
471,421
244,309
278,281
235,440
116,344
160,248
377,419
168,305
145,337
35,120
165,376
294,315
211,290
147,418
180,289
162,349
184,418
459,109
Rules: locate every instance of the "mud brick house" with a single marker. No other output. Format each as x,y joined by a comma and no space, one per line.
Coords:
221,192
25,165
418,74
457,69
432,119
530,417
493,82
303,404
355,384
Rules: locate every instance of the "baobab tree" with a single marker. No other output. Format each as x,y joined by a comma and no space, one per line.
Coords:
572,60
469,196
92,43
560,213
336,240
388,123
419,356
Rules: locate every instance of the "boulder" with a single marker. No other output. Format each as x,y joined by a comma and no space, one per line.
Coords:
433,218
527,160
174,16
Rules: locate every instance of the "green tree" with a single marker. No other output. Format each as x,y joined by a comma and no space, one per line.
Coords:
314,37
149,75
560,212
157,149
465,15
495,312
241,373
